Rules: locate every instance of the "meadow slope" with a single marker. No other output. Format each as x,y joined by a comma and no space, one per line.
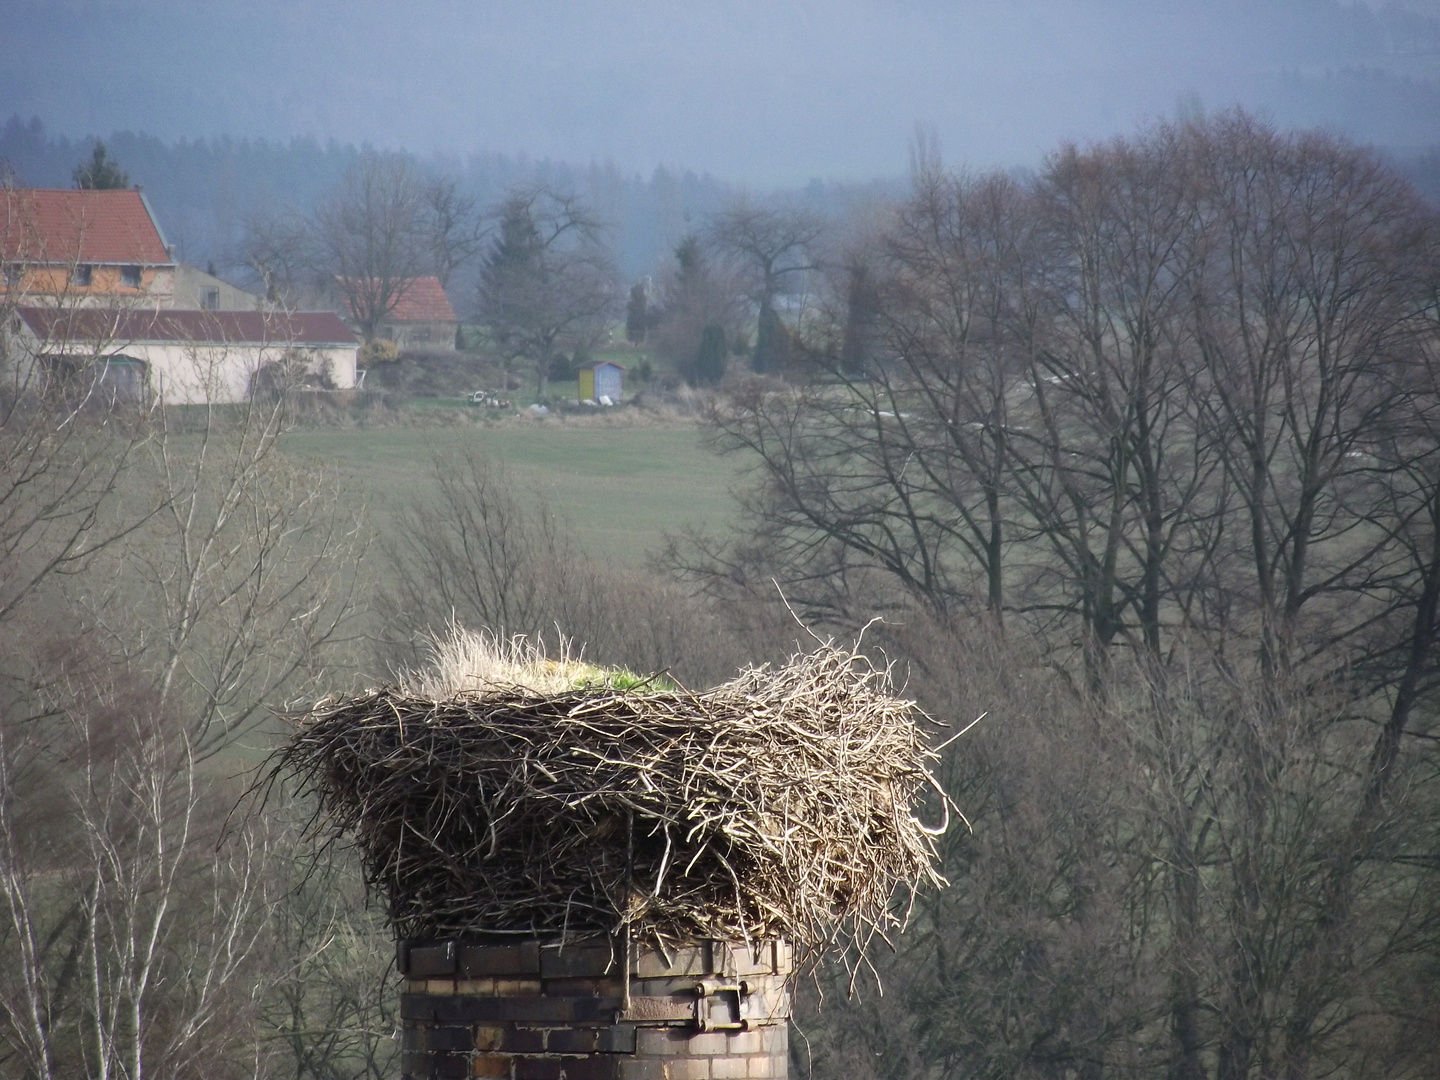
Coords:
621,488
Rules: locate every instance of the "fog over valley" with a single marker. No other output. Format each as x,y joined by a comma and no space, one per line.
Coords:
769,94
660,112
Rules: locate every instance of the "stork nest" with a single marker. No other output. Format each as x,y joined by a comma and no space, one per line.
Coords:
782,803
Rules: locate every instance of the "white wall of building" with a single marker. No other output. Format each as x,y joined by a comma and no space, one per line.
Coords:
186,373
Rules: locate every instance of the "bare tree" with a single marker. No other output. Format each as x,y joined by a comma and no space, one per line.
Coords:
133,925
482,553
695,294
212,579
371,236
489,553
547,284
1185,380
455,228
381,227
332,1006
276,247
63,451
897,465
1110,470
773,249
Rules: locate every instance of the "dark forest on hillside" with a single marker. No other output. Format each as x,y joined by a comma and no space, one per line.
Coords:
204,189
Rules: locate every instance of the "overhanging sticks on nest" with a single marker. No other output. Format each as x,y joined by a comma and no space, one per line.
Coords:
782,803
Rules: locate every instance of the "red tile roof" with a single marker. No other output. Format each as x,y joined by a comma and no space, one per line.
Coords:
423,300
115,327
103,227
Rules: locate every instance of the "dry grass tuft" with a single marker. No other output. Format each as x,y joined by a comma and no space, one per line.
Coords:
467,662
494,794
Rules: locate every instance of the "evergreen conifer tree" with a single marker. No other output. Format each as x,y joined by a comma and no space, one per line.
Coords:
547,285
100,173
510,280
690,259
772,342
635,314
710,360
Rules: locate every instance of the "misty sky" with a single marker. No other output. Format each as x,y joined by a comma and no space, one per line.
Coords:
765,93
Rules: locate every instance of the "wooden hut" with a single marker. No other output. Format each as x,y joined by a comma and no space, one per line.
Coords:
601,380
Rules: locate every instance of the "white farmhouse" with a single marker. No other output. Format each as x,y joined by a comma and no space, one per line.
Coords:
181,357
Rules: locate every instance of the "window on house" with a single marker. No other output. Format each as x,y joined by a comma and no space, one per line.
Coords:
120,378
81,275
130,277
211,300
14,274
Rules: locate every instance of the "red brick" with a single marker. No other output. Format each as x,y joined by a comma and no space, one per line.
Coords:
497,1065
489,1038
434,959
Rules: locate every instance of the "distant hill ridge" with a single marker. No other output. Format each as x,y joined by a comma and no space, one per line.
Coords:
203,189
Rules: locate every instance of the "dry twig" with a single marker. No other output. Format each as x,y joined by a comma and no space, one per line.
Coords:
778,804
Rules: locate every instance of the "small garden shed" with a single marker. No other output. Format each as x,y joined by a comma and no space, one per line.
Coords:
601,380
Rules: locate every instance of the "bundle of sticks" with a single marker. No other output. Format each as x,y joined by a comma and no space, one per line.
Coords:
782,803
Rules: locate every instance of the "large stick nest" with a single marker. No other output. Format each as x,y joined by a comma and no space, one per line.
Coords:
781,803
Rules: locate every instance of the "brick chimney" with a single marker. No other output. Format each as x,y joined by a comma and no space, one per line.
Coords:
602,1010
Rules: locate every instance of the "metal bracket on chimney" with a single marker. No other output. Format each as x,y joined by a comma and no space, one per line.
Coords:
733,1003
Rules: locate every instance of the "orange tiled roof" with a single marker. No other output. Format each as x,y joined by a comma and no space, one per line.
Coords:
103,227
423,300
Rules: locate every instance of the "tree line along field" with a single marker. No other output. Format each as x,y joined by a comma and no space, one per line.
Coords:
620,489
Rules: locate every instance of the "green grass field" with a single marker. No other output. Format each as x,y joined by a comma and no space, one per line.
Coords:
621,488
